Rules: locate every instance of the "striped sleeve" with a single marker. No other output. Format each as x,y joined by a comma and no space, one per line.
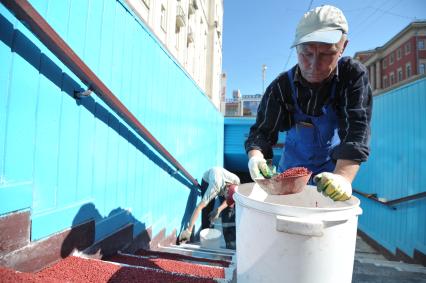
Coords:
355,107
271,115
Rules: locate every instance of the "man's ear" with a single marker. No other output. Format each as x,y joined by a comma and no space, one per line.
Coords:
344,47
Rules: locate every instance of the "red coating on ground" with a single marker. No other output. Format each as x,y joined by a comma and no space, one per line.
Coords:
165,255
171,266
79,270
12,276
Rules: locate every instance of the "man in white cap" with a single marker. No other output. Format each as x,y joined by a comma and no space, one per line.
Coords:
217,181
324,103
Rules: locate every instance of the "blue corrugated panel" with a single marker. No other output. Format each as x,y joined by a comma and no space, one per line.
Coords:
71,161
236,132
396,169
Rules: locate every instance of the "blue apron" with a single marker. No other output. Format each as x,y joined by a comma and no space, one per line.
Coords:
310,141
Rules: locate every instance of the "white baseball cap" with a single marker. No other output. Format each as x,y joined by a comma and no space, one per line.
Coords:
321,24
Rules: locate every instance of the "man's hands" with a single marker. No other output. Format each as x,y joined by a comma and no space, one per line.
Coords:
184,236
213,215
259,168
334,186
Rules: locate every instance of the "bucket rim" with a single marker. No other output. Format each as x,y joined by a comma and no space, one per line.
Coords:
279,208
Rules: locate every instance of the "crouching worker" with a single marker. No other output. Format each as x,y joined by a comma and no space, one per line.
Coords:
220,182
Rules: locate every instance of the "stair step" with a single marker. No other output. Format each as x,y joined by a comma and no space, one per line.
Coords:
371,273
196,253
76,269
396,265
169,265
182,257
195,246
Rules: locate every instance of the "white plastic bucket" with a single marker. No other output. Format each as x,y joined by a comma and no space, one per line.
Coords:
210,238
298,238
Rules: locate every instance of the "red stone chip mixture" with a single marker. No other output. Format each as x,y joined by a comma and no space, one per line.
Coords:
294,172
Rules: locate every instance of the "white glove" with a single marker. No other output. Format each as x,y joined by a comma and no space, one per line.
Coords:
259,168
184,236
213,215
334,186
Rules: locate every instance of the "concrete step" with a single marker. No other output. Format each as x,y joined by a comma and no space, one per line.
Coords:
193,251
181,257
387,272
198,247
396,265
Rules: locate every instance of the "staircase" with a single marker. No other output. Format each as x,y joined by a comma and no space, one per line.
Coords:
372,267
192,263
184,263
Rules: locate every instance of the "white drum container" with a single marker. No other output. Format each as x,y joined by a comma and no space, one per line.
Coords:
210,238
299,238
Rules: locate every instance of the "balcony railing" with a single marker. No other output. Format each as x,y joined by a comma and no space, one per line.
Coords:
190,35
180,16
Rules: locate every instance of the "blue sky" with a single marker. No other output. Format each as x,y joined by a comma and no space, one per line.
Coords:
261,32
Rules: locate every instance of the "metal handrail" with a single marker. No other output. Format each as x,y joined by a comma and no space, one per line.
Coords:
391,203
26,13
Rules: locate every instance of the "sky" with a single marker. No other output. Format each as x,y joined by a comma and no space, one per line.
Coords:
257,33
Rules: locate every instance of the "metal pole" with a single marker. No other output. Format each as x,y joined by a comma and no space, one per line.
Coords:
263,78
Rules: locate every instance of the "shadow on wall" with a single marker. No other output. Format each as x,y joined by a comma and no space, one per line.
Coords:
120,230
25,48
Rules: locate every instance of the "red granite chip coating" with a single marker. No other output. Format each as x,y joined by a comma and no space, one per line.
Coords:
11,276
165,255
86,270
171,266
79,270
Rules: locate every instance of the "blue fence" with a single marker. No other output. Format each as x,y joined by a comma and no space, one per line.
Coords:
396,168
69,161
236,132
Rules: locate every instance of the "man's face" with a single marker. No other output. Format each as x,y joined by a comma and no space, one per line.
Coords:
318,60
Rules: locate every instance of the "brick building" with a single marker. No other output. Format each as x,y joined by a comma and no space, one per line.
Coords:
400,60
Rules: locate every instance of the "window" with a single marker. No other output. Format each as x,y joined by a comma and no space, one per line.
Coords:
385,82
407,48
391,59
408,70
384,63
392,78
398,54
146,2
399,72
422,69
163,20
421,44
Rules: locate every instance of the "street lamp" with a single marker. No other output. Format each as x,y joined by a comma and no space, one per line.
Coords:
263,78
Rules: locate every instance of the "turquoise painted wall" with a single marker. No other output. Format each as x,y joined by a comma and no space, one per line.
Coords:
396,168
70,161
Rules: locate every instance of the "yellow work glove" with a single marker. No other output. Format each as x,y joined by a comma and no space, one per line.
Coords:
334,186
184,236
259,168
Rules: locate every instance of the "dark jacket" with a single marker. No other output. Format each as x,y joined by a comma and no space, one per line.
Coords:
353,105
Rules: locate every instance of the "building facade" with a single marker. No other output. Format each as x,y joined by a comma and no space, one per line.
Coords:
191,30
242,105
400,60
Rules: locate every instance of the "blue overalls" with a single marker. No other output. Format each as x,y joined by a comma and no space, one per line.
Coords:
310,141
